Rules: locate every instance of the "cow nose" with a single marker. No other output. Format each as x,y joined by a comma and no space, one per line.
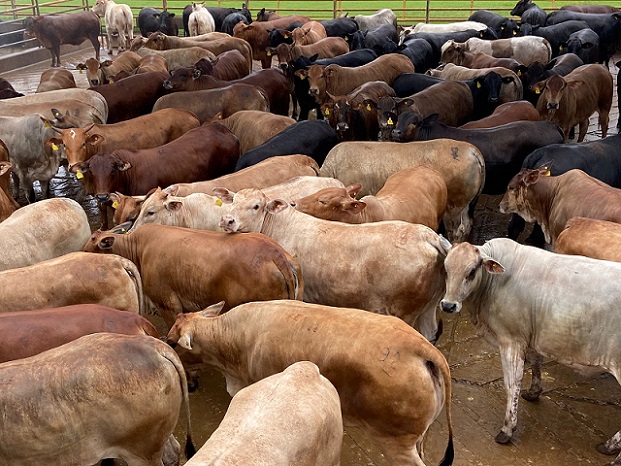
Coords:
103,197
493,100
395,134
448,306
313,91
552,105
342,127
167,85
95,82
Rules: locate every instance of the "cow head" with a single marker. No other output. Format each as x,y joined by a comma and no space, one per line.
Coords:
94,72
182,334
551,91
99,8
516,199
452,52
79,146
126,208
167,23
279,36
100,241
157,41
339,204
520,7
465,266
159,207
106,172
316,75
249,207
408,125
182,79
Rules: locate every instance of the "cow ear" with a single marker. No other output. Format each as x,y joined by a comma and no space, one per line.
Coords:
213,311
173,205
53,143
224,194
313,57
80,66
105,243
532,177
355,207
521,70
123,166
353,189
276,206
171,15
114,197
5,167
369,104
407,102
185,340
430,119
302,74
492,267
80,167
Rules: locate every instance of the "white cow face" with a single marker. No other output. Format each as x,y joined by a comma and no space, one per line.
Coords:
248,211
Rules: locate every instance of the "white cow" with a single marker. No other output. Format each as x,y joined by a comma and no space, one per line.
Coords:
200,20
119,20
390,268
368,22
41,231
532,303
293,417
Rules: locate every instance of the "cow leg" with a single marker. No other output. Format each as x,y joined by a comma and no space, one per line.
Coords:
584,126
512,358
427,325
457,224
516,226
400,450
603,121
532,394
103,215
96,45
110,51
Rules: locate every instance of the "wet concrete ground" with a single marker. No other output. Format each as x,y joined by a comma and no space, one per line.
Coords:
573,414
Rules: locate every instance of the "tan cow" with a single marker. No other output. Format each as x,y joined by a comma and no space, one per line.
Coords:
366,257
526,50
570,100
325,48
76,400
552,200
187,270
41,231
8,205
371,163
179,58
54,79
590,237
268,172
293,417
454,52
391,381
143,132
75,278
253,127
105,72
310,32
415,195
119,19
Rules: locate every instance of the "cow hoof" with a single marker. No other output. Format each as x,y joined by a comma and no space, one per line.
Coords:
604,450
502,438
530,396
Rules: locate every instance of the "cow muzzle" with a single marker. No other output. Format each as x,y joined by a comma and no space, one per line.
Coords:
342,126
167,85
95,82
552,105
103,197
396,135
313,91
228,224
450,307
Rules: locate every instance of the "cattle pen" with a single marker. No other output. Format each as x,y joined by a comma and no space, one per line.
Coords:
574,412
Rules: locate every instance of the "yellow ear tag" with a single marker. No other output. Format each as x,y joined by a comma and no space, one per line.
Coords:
115,205
79,175
80,71
54,147
368,108
219,202
269,54
346,39
547,173
327,112
389,121
478,85
519,72
537,91
46,124
560,47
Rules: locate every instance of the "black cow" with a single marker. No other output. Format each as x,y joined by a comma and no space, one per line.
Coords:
607,27
314,138
219,15
231,20
378,37
585,44
556,34
408,84
530,13
618,65
600,159
356,40
504,147
340,27
535,72
308,102
152,20
503,27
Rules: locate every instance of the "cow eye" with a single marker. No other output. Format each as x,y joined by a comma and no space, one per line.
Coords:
255,207
471,275
150,212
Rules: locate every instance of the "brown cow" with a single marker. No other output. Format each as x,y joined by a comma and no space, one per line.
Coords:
227,66
132,96
26,333
392,382
590,237
160,41
143,132
256,34
325,48
272,81
56,79
338,80
454,52
75,278
7,91
187,158
107,71
179,58
415,195
253,127
8,205
151,62
552,200
208,103
269,172
309,33
200,268
572,99
508,112
126,208
52,31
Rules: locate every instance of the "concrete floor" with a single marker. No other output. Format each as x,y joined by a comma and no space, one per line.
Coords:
572,416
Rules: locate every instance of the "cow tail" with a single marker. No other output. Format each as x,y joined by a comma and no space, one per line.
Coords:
266,97
291,271
132,270
190,449
440,372
296,270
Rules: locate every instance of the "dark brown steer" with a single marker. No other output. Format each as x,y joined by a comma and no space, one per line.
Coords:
200,154
75,28
508,112
227,66
26,333
325,48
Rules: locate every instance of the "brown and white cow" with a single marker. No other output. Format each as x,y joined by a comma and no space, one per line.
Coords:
118,19
461,165
26,333
552,200
572,318
415,195
59,396
271,171
106,72
526,50
329,251
143,132
42,230
75,278
570,100
392,382
590,237
54,79
293,417
187,270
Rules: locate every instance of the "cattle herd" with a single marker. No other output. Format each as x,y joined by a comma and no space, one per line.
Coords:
300,227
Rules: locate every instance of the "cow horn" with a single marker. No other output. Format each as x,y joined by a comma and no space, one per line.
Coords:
89,127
